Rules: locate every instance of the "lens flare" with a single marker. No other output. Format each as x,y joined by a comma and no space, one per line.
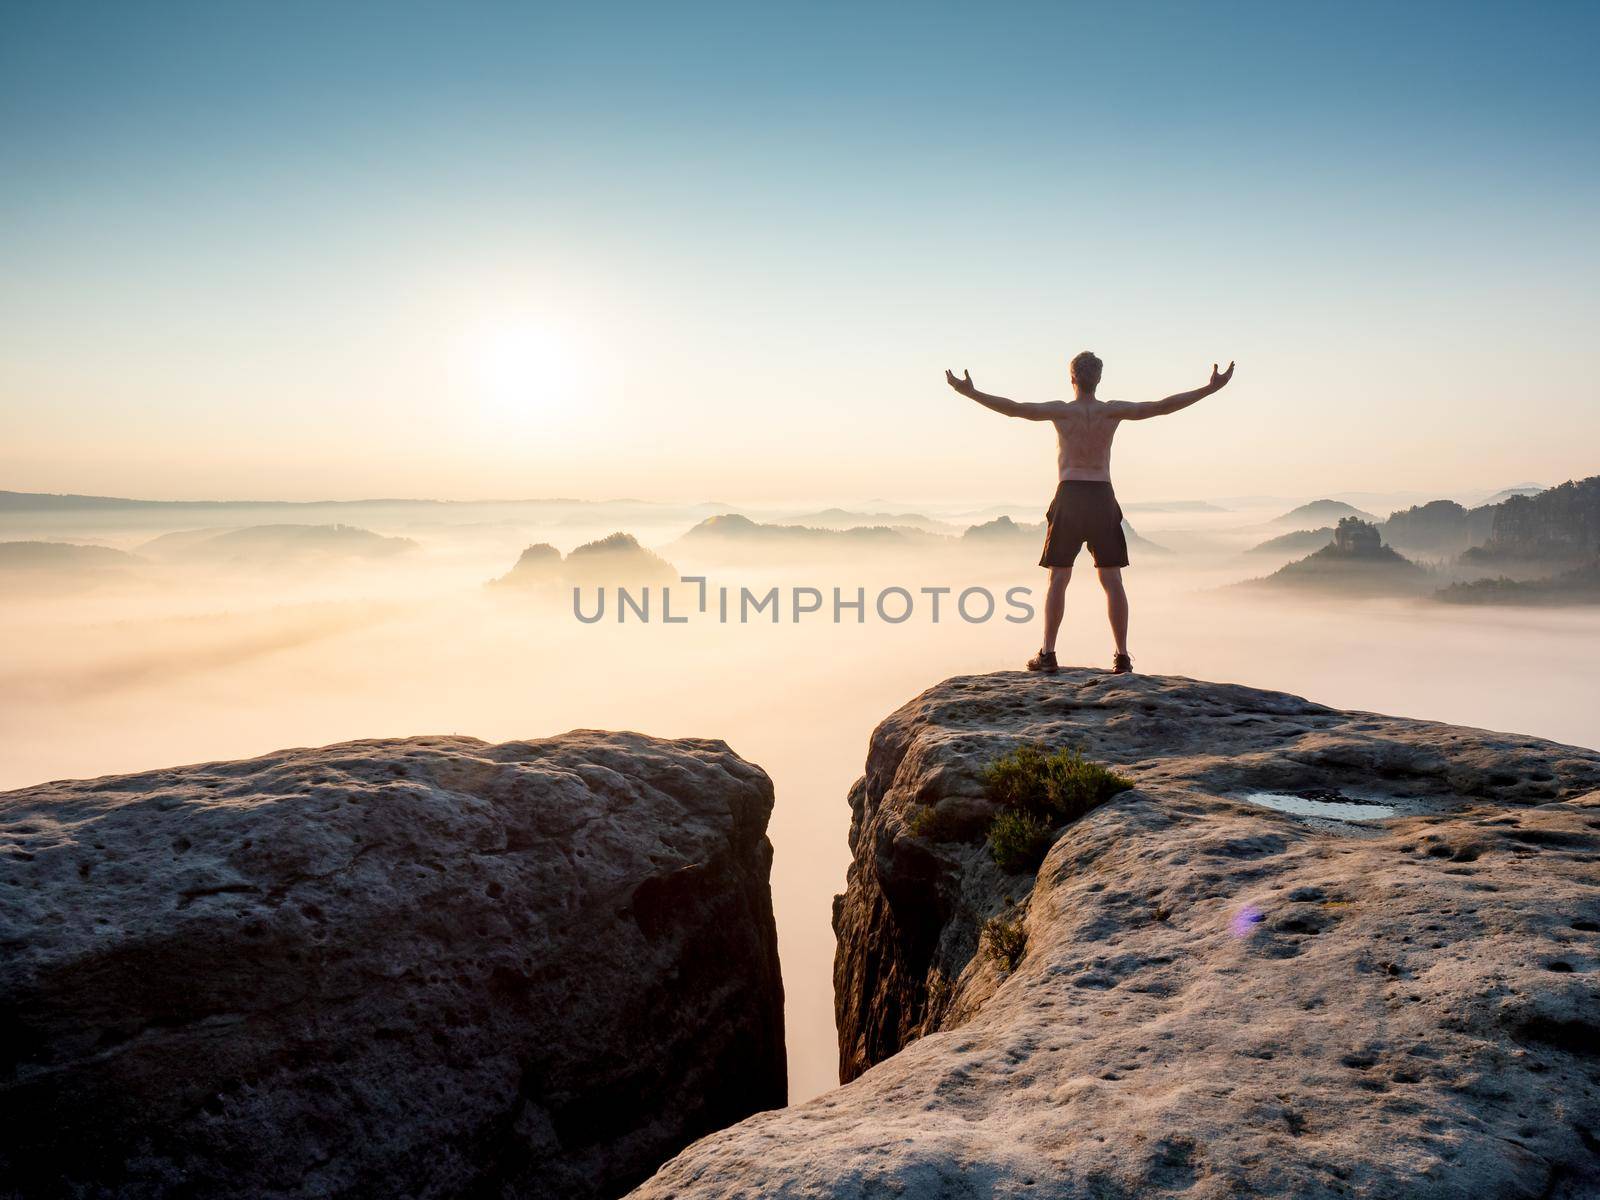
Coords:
1246,919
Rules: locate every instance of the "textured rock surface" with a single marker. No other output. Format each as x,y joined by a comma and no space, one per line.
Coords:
422,967
1216,999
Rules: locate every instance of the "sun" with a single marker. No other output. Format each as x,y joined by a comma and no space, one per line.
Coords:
523,371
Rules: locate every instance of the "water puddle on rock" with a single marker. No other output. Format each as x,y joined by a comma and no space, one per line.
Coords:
1333,810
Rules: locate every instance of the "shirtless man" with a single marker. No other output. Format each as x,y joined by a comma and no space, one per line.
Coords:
1085,508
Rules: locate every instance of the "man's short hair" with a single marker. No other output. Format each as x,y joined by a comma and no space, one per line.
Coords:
1086,370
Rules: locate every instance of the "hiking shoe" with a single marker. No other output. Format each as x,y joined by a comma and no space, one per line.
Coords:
1121,664
1044,661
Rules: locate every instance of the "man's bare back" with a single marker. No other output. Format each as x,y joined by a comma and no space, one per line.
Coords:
1085,509
1084,431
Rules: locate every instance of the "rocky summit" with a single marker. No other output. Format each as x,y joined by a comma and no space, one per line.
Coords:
1388,990
420,967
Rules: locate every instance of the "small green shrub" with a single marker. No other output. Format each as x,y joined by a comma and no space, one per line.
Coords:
928,821
1004,939
1058,786
1020,780
1082,785
1018,840
1039,789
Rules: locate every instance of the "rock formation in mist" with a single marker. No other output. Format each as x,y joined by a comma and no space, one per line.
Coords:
1355,563
1559,527
275,545
1002,531
1196,995
422,967
538,564
1319,513
615,561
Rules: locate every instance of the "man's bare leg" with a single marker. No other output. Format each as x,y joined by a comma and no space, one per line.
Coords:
1116,606
1055,606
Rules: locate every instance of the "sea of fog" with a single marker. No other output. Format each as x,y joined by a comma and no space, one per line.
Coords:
186,664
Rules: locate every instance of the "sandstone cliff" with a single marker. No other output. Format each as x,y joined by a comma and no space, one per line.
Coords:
422,967
1209,997
1560,526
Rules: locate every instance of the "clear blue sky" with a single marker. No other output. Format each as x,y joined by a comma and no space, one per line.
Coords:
242,246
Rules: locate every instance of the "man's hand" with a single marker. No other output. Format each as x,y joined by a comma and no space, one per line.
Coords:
1219,379
965,386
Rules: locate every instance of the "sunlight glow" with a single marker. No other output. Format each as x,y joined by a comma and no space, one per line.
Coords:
523,371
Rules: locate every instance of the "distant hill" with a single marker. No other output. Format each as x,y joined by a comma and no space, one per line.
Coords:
735,537
1319,513
1298,542
618,558
843,518
1005,531
733,526
61,556
1001,530
274,545
1578,586
1175,506
1355,563
615,561
1439,527
39,502
34,567
536,566
1521,489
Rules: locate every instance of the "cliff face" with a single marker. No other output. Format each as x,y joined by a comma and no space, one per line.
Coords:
1209,997
422,967
1560,525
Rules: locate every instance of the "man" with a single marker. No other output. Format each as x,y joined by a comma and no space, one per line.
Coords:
1085,508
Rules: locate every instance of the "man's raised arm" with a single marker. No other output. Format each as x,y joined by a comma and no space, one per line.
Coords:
1008,408
1172,404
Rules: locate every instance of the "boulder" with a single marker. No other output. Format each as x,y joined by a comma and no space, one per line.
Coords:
1197,994
418,967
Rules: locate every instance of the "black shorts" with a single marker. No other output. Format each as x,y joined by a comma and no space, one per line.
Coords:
1084,510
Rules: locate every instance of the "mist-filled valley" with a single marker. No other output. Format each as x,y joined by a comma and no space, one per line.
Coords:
142,635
